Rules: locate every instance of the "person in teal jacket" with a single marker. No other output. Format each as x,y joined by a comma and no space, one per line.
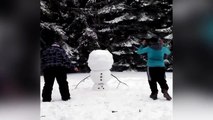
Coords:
156,53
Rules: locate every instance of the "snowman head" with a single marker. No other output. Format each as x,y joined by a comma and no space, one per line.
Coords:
100,60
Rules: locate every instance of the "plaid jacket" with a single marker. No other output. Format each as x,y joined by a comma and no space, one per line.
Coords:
55,56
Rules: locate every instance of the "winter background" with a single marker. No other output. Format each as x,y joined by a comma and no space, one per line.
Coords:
115,25
118,26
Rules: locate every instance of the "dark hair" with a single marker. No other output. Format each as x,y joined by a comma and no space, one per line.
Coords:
154,40
50,36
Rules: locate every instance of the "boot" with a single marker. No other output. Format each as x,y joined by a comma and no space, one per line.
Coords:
154,96
166,95
46,100
66,99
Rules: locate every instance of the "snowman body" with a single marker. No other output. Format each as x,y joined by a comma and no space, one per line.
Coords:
100,63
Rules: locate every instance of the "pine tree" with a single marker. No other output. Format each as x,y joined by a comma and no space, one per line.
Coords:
116,25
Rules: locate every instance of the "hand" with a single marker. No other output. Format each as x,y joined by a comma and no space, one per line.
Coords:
76,69
161,41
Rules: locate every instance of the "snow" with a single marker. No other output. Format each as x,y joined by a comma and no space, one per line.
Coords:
54,26
126,65
126,16
91,1
122,52
170,36
90,33
105,30
113,8
144,17
44,7
100,60
124,103
165,30
119,52
69,50
129,43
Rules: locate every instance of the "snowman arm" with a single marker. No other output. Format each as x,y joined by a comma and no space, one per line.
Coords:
119,81
81,81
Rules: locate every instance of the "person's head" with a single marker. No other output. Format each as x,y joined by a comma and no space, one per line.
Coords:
153,40
155,43
50,37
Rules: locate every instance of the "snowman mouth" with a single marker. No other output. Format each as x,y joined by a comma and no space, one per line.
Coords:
100,83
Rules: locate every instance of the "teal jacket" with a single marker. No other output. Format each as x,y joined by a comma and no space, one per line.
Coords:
155,55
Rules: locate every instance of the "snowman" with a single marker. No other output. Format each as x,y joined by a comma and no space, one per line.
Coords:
100,63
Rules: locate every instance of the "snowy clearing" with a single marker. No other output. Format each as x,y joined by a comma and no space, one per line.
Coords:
124,103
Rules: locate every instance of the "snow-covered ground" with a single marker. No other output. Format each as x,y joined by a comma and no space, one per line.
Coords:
124,103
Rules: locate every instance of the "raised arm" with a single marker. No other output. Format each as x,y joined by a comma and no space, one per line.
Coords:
142,49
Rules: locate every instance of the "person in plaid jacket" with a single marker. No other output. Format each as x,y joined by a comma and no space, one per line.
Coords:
54,64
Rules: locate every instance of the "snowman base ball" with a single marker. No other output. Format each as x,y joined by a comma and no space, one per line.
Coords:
100,79
100,86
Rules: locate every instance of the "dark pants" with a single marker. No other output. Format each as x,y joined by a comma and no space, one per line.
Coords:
49,76
157,75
